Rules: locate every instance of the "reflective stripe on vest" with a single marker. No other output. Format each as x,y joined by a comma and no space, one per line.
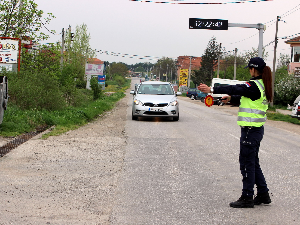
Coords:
253,113
256,111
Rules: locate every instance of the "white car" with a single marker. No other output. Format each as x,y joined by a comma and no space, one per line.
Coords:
155,99
296,108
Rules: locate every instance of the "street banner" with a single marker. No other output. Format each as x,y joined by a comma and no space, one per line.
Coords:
183,77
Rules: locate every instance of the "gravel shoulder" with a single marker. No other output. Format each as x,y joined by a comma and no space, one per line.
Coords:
66,179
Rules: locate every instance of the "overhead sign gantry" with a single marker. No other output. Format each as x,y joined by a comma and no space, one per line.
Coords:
220,24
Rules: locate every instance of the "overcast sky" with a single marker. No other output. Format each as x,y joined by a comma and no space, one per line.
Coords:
162,29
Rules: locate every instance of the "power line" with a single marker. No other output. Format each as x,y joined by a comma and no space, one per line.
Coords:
199,3
291,11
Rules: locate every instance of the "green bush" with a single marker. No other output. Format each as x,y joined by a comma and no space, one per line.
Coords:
32,89
286,91
96,88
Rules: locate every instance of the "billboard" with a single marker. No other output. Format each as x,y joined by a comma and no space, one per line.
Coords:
9,53
94,69
183,77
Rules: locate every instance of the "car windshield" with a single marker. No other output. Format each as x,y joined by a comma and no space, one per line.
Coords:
155,89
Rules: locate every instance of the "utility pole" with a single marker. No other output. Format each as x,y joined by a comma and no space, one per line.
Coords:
189,75
69,42
274,59
235,51
167,73
171,74
159,72
62,46
219,60
20,11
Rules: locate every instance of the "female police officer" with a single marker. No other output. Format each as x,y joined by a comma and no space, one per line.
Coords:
253,97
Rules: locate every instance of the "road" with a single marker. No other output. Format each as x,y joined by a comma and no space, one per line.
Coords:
115,171
187,172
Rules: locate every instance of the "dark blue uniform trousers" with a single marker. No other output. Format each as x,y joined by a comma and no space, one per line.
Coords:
249,161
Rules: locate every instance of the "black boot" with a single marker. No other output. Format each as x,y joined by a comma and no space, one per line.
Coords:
262,198
243,202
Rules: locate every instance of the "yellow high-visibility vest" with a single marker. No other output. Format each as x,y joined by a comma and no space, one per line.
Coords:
253,113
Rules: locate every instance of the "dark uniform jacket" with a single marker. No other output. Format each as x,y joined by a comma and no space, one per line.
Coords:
249,90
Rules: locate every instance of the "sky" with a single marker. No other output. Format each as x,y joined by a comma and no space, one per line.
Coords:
139,29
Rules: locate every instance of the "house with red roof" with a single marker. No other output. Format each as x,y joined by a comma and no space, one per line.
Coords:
185,62
294,66
95,61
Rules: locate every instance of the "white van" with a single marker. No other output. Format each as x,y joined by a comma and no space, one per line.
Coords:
296,108
216,82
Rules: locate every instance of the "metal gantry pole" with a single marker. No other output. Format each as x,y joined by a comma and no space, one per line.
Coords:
261,27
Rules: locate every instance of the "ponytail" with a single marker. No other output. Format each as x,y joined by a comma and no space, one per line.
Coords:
267,79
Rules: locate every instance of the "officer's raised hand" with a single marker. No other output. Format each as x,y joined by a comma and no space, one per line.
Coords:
204,88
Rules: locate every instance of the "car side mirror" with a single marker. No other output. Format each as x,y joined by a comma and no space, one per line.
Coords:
132,92
178,93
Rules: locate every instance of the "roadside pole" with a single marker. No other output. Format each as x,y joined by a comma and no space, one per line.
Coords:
62,47
274,59
218,73
261,27
235,51
189,75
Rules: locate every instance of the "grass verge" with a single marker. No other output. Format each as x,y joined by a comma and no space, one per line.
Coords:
17,121
281,117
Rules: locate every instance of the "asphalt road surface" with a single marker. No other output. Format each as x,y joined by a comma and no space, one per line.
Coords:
187,172
153,171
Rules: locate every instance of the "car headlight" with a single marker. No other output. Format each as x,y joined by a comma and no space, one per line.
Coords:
137,102
174,103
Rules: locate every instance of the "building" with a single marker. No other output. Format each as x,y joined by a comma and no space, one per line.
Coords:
294,66
95,61
186,63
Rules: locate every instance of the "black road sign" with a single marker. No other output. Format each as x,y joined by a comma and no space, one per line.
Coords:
212,24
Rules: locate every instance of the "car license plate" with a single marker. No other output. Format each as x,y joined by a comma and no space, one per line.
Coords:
155,109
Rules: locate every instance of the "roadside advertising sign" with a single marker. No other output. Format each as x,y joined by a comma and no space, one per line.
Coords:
9,53
183,77
94,69
101,80
209,100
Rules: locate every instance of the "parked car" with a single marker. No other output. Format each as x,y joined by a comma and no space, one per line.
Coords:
194,93
155,99
296,108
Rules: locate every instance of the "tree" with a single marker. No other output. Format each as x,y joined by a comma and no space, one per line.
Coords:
167,66
227,67
208,63
78,50
254,53
117,69
139,69
283,60
21,18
